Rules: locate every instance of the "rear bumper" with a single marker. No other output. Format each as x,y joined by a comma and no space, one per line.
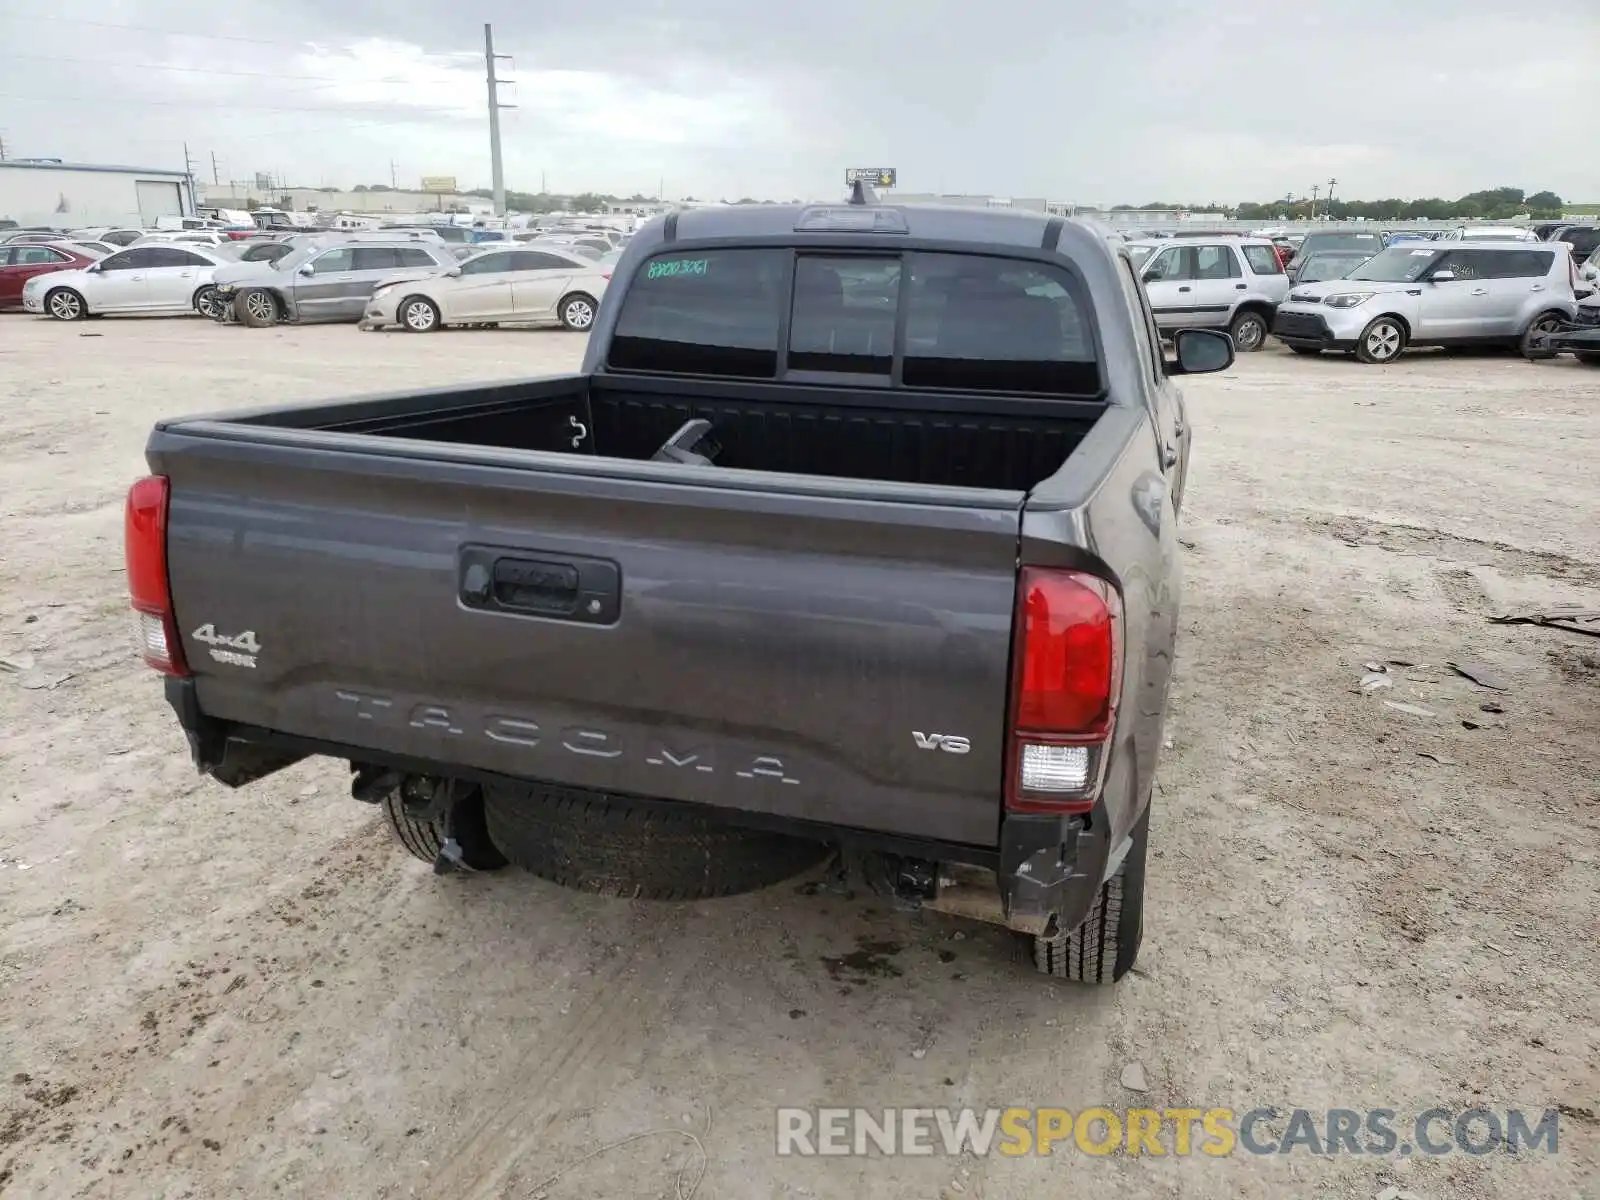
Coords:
1048,869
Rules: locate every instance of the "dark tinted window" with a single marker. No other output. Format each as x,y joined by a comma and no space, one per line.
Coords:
703,312
128,260
1215,262
172,256
1583,240
1263,260
375,258
534,260
410,257
489,264
1521,264
991,324
844,314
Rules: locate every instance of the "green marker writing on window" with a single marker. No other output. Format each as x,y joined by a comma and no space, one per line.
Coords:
671,268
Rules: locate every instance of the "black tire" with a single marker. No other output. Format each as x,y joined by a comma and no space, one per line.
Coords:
1588,359
208,304
418,314
1306,350
1249,331
577,312
1544,323
1382,341
256,308
64,304
582,841
1104,948
424,838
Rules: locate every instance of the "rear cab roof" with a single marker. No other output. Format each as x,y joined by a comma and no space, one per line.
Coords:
1092,251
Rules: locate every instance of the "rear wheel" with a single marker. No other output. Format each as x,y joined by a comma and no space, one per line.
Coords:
1104,948
424,837
1588,359
1249,331
1533,343
577,312
256,307
1381,341
582,840
64,304
418,314
208,304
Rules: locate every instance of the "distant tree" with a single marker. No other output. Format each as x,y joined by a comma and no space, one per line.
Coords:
360,187
379,187
588,202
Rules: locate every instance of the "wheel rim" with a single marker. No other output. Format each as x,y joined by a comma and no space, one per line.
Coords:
1547,324
64,305
259,305
579,314
419,315
207,303
1383,341
1250,334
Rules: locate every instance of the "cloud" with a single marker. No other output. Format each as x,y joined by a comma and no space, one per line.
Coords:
1074,100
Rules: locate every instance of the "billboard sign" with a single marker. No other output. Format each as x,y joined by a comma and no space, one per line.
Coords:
871,176
443,184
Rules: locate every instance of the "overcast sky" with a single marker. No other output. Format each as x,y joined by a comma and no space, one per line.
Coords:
1075,100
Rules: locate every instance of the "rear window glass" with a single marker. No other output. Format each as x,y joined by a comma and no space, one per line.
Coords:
991,324
844,310
703,312
1263,260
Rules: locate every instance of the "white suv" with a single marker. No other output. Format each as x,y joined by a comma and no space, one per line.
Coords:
1432,294
1229,283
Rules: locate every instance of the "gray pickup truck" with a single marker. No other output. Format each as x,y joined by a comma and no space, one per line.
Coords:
857,531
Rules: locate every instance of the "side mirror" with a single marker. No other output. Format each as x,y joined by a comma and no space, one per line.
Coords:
1150,276
307,269
92,269
452,272
1444,276
1200,352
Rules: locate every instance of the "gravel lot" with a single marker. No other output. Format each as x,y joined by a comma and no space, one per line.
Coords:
210,993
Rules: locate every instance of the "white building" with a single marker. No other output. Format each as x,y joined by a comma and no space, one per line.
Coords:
63,195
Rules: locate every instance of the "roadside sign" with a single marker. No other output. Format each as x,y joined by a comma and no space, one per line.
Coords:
443,184
872,176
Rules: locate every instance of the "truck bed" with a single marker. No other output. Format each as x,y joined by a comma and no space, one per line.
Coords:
492,577
946,440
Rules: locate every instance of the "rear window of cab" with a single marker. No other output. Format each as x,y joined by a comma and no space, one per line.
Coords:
968,322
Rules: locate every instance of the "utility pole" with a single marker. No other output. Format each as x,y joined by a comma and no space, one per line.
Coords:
1315,189
394,180
216,175
188,170
1332,183
2,149
497,167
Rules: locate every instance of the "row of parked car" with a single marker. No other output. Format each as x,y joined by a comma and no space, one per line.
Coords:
1373,296
409,277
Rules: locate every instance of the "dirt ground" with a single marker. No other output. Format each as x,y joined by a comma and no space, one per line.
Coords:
213,993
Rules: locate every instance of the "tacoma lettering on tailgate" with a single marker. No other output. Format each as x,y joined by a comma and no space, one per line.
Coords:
585,741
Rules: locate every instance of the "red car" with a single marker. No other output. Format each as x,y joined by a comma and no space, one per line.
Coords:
20,263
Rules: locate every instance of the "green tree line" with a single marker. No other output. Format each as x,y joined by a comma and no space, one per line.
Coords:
1493,204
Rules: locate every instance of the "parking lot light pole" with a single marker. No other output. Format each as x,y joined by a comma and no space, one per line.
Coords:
496,166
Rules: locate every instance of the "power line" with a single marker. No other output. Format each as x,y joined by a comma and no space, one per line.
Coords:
106,62
422,114
210,37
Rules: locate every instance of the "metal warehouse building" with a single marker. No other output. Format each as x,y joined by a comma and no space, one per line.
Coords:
70,195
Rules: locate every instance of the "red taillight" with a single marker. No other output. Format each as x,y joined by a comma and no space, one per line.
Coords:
1066,681
145,543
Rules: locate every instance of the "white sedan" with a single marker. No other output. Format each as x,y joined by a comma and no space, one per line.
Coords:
496,285
151,280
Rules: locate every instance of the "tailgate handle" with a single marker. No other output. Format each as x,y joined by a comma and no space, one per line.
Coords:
562,587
